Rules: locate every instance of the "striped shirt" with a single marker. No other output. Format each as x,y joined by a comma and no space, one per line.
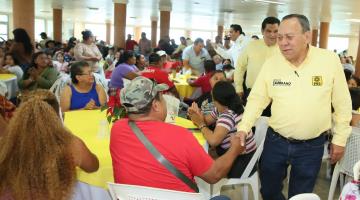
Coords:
229,120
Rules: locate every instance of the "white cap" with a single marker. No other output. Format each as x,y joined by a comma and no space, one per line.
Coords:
161,53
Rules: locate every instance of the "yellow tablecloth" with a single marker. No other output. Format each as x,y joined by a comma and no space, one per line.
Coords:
87,125
184,89
5,77
10,81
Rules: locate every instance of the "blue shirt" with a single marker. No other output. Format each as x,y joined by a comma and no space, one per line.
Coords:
79,100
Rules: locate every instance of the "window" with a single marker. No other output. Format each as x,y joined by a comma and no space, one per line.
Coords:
39,27
201,34
4,26
176,34
338,43
98,30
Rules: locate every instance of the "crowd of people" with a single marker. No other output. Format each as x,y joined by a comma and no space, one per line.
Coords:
280,76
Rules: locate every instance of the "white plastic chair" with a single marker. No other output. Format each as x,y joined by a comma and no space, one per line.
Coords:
305,196
253,181
59,85
134,192
345,166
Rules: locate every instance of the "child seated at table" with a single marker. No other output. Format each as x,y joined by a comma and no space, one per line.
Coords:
11,66
38,156
84,92
204,81
226,115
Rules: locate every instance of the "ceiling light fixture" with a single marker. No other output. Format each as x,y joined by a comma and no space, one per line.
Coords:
353,20
93,8
44,11
196,3
271,2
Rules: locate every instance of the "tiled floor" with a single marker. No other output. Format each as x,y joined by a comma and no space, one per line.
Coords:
321,188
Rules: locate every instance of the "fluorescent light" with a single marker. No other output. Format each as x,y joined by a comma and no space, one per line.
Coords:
271,2
353,20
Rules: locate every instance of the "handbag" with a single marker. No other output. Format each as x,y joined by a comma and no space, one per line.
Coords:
160,158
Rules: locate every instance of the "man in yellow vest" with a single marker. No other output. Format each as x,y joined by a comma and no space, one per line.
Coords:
303,83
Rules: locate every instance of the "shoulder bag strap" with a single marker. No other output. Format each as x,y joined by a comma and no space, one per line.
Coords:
160,158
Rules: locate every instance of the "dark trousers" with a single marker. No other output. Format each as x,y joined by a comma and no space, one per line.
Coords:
305,160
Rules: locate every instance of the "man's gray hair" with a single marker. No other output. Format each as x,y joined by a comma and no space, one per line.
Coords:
198,40
303,20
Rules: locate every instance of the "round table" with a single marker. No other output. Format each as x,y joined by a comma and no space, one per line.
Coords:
10,81
184,89
92,127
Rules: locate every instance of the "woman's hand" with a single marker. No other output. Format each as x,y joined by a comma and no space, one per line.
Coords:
194,108
33,73
90,105
197,118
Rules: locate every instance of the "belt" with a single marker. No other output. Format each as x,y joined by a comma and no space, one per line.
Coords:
292,140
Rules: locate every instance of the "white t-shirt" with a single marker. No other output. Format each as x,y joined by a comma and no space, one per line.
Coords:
196,61
15,70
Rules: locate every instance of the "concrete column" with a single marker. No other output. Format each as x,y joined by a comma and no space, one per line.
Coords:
324,34
325,20
154,22
119,22
108,32
357,65
24,16
165,10
188,33
137,33
220,31
57,24
314,37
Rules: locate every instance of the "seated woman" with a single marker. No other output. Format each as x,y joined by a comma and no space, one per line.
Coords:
83,93
12,66
48,153
125,68
40,75
227,114
140,62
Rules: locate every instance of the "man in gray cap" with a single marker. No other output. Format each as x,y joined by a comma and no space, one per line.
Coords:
134,164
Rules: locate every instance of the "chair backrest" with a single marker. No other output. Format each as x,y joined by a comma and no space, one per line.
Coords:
59,85
101,81
260,133
352,152
305,196
134,192
356,171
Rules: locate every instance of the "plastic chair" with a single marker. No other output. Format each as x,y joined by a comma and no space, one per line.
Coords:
59,85
134,192
345,166
305,196
253,181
